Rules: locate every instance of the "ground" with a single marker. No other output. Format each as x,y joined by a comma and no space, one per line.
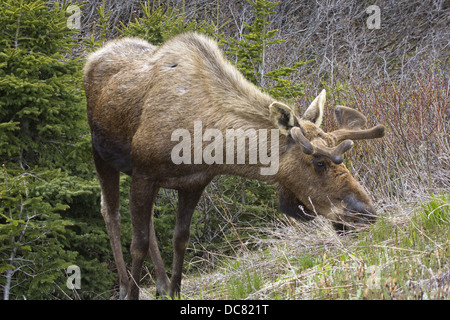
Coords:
404,255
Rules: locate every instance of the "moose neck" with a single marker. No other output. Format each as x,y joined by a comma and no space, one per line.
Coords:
252,145
250,172
250,153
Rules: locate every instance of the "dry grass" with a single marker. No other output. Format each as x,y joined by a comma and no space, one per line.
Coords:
405,255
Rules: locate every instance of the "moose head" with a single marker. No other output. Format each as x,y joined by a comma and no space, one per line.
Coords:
315,180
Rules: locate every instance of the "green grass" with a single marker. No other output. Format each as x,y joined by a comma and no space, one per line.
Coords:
401,256
241,287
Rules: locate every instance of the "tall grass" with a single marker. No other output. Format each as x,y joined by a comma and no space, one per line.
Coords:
399,257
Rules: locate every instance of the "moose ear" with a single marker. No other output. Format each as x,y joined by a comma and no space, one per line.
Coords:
314,113
349,118
282,116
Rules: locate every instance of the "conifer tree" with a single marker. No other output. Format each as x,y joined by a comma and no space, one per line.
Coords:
41,116
44,144
162,22
31,229
249,53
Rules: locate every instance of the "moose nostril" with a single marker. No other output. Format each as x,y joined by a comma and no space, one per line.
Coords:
355,206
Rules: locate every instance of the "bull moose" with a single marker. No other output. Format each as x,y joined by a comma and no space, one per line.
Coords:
139,95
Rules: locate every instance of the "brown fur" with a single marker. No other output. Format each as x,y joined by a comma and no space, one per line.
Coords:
138,94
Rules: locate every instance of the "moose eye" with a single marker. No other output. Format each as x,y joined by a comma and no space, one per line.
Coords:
319,165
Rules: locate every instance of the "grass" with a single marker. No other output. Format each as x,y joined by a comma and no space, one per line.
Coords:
402,256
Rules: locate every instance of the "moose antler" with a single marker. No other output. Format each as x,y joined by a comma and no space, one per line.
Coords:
336,154
350,124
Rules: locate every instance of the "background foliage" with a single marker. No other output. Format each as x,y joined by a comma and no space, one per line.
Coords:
49,210
48,188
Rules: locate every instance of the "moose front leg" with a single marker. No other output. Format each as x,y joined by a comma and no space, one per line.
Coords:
187,200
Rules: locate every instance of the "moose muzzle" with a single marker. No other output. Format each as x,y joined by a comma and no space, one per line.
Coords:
357,211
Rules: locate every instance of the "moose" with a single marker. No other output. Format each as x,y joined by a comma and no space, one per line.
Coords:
138,94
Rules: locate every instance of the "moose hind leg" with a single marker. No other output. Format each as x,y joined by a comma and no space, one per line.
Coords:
186,205
142,196
162,281
109,183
